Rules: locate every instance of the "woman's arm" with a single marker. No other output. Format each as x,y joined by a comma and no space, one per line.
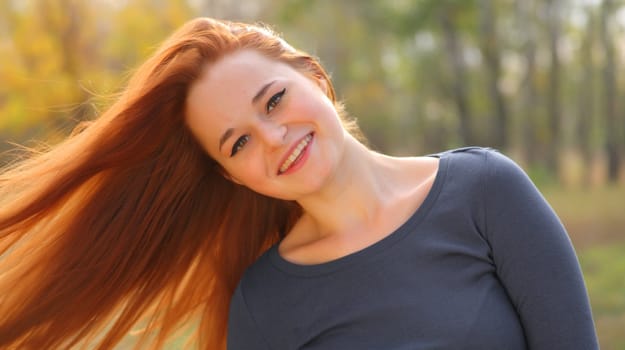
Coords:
535,260
243,333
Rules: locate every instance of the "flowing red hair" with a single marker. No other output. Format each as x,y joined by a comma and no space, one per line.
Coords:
128,222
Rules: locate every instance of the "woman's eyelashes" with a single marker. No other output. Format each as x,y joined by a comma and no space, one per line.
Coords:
238,144
271,104
274,100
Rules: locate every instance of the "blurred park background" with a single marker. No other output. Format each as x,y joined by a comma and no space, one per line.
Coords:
541,80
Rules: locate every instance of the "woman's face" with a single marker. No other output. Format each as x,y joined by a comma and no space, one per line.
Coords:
271,128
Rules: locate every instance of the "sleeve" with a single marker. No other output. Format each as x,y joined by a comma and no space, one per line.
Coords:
243,333
535,261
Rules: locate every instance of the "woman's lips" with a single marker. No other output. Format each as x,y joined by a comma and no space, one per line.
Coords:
296,157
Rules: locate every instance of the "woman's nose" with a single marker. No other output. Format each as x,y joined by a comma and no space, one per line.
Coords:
272,134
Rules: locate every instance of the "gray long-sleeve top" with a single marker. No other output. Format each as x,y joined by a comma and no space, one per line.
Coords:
483,263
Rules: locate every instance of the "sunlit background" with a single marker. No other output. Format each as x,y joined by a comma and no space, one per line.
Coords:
541,80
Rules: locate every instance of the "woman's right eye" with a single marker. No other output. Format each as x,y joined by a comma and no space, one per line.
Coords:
238,144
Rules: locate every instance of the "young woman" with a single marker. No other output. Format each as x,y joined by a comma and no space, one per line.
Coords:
226,189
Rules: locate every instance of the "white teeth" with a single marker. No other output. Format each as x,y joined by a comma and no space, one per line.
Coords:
296,153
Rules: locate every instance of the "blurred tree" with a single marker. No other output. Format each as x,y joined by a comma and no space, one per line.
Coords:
447,13
526,27
446,24
489,45
42,68
586,93
612,148
553,11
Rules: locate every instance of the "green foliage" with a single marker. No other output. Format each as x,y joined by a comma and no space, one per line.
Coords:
56,57
541,176
604,268
594,219
604,271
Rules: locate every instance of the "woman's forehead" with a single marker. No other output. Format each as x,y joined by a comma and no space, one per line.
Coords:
240,67
235,78
227,89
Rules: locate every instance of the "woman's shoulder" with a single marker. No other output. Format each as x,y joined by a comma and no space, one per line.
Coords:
465,152
485,160
477,170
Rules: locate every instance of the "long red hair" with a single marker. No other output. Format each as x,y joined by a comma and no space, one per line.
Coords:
128,222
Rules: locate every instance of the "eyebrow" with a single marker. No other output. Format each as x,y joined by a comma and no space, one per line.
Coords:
255,99
225,136
262,91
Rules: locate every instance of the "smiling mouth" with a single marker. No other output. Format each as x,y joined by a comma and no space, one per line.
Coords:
296,154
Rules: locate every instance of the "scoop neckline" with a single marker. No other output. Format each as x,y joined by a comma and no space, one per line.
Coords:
371,250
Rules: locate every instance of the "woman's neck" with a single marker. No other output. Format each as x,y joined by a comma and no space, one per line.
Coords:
356,193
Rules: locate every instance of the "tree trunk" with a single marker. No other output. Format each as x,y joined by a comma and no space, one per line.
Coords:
586,98
609,81
490,52
526,15
456,61
554,104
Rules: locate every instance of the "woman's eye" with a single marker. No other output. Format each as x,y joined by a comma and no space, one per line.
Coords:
238,144
274,100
